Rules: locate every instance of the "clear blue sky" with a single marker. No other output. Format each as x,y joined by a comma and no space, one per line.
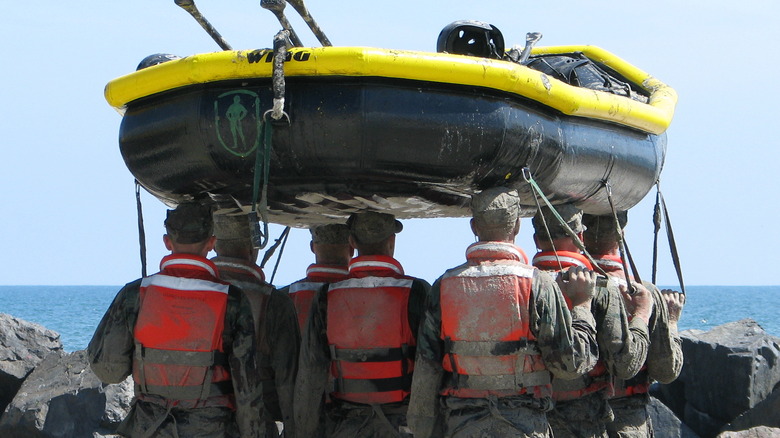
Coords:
68,208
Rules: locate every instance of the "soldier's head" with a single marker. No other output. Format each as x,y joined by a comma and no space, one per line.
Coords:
495,214
234,238
189,229
601,235
373,233
549,232
330,244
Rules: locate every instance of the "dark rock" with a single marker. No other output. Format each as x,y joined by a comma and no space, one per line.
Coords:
701,422
756,432
23,345
665,423
728,370
672,395
63,398
766,413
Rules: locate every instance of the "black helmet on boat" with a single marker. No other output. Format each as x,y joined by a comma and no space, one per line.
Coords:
473,38
157,58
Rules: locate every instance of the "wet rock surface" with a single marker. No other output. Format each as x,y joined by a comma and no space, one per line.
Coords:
665,422
729,371
64,398
23,345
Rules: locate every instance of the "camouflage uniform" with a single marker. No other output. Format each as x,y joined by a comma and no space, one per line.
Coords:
111,352
278,339
664,363
623,345
567,344
664,357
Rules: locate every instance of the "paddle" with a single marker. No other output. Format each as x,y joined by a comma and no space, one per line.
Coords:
189,6
277,7
300,7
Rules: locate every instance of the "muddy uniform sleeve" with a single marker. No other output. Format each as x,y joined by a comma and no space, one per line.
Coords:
623,345
417,299
665,357
313,364
285,340
567,340
428,371
110,350
243,365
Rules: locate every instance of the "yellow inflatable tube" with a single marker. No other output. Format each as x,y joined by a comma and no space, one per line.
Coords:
653,117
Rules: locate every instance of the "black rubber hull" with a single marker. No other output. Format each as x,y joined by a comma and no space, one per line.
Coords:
416,150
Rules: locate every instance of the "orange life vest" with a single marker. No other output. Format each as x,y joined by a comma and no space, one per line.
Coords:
371,343
488,345
179,357
596,379
302,292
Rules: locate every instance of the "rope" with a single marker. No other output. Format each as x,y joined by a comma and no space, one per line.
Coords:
263,158
547,229
281,251
622,245
281,240
261,170
141,231
670,235
538,191
280,54
656,230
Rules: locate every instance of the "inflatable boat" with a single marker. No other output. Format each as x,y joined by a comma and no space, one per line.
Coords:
405,132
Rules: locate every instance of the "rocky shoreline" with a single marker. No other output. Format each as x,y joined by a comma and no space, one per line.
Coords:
729,386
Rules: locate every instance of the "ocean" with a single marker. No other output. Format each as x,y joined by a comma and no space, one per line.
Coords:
75,311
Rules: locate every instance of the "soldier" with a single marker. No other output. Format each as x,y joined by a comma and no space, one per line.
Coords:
332,252
494,331
664,358
361,336
276,328
187,338
581,409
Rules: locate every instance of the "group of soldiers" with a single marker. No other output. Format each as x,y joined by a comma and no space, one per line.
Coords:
496,347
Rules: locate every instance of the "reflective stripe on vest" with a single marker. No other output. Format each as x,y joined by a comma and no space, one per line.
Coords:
179,354
549,260
609,263
371,343
489,348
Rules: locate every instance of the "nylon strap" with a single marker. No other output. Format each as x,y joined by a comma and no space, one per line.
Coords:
194,392
356,386
261,171
141,232
374,354
656,230
622,245
490,348
189,358
538,191
504,381
670,235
